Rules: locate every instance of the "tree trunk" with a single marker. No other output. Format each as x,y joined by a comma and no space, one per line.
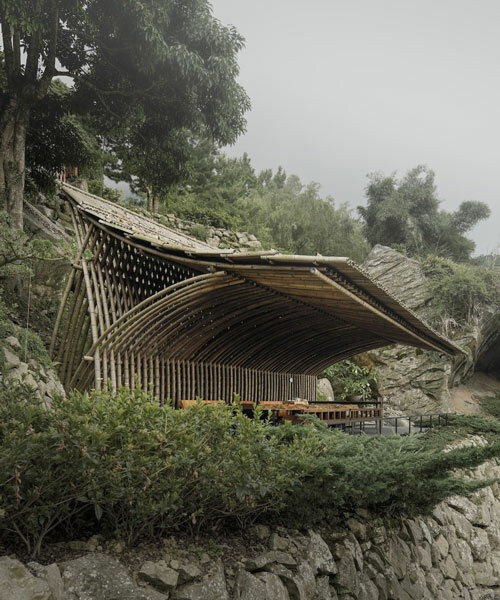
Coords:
156,203
149,199
13,127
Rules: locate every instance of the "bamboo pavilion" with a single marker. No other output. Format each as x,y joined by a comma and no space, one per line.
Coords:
146,305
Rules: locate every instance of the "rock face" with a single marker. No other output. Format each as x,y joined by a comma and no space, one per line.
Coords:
101,577
17,583
415,381
42,379
325,389
454,554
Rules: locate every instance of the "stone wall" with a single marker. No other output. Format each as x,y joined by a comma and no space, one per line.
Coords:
453,554
217,237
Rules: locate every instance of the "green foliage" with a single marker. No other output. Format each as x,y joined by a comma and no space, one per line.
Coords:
32,345
460,290
200,232
491,405
4,324
193,95
405,214
349,380
278,209
133,469
388,475
152,76
58,138
97,187
19,253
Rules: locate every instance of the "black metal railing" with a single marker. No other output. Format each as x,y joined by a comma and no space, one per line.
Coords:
402,425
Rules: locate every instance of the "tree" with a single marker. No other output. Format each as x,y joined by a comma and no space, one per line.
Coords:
58,138
276,207
122,56
405,213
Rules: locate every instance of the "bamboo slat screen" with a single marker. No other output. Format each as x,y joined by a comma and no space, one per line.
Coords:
142,310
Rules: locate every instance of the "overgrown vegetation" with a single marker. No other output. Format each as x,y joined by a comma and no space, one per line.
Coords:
19,252
132,469
460,290
491,405
405,213
349,380
277,208
32,346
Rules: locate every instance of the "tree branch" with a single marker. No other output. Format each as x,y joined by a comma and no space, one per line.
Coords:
50,60
17,51
33,54
7,49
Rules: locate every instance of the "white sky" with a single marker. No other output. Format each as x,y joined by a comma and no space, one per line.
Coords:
341,88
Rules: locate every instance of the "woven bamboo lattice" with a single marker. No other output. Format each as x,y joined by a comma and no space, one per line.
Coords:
147,306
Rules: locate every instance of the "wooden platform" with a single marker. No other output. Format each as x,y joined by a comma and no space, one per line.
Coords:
293,411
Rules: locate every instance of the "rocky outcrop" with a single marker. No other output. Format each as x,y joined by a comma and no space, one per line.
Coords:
16,365
325,390
453,554
415,381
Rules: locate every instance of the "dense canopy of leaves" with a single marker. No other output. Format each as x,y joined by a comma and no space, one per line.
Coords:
405,214
58,138
153,74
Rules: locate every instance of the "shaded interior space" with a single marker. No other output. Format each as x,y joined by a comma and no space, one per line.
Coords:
489,359
484,385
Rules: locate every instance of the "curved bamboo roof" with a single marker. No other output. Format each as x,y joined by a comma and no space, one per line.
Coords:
260,310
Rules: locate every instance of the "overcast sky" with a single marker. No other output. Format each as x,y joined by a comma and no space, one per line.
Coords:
341,88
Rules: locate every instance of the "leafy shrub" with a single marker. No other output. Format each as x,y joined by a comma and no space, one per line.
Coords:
136,468
200,231
3,320
31,343
130,468
459,290
18,252
390,475
349,379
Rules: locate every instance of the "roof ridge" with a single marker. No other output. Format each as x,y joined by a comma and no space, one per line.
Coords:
112,206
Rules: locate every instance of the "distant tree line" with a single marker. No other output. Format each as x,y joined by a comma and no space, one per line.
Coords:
402,213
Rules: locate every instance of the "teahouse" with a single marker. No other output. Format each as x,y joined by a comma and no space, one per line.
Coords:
147,305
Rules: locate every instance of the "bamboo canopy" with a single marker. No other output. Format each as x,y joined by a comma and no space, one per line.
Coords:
147,305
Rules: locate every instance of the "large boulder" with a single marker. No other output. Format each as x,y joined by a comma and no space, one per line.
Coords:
325,390
101,577
17,583
211,587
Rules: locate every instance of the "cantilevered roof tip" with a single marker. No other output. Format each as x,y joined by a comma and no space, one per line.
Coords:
348,311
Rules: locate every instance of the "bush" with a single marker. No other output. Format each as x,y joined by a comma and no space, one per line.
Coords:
349,379
491,405
389,475
132,469
19,253
459,290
